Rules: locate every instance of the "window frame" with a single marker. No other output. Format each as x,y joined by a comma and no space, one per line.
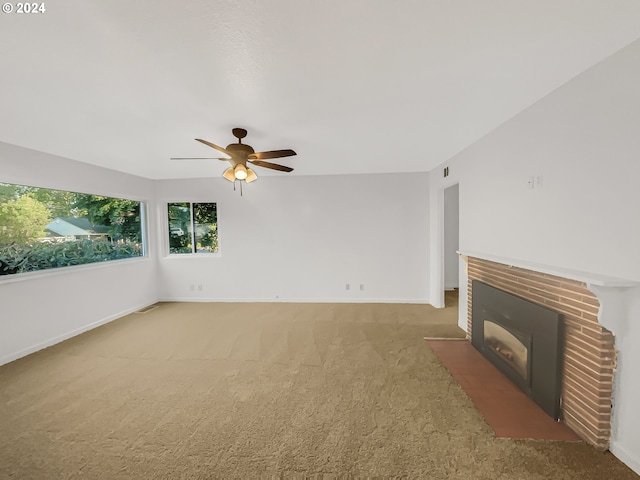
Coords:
167,231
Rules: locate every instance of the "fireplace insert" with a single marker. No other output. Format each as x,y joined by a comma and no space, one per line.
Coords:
522,339
509,346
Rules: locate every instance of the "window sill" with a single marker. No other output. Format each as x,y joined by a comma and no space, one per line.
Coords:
191,256
20,277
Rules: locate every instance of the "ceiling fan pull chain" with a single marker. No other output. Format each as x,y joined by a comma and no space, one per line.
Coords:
240,187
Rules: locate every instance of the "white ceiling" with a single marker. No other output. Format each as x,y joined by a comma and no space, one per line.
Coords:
354,86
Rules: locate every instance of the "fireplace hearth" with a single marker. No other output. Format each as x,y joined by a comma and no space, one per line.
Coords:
523,340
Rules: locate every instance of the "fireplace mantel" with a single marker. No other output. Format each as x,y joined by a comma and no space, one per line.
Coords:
594,279
610,291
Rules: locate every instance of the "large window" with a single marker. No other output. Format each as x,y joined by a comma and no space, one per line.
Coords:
42,229
193,228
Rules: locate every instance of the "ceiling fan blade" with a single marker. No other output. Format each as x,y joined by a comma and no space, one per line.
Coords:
213,145
272,166
272,154
198,158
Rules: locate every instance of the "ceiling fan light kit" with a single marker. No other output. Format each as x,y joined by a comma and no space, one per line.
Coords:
229,174
251,176
239,154
240,172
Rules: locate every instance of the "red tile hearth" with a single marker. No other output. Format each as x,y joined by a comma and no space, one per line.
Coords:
507,410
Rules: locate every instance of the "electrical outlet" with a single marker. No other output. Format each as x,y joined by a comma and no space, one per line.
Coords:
348,287
362,287
199,288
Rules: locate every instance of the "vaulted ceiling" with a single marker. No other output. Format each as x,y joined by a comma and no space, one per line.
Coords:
354,86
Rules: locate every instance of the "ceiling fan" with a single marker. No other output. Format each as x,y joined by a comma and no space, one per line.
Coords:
239,154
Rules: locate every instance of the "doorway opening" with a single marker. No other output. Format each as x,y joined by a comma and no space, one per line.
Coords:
451,242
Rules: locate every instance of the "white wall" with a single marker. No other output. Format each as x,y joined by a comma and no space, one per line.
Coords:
583,141
40,309
286,239
626,395
304,238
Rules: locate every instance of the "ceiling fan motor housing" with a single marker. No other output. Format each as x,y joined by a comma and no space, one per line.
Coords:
240,149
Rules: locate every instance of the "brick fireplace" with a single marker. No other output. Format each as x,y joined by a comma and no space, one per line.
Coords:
589,357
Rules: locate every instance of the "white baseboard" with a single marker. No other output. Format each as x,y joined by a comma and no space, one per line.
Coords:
65,336
631,460
294,300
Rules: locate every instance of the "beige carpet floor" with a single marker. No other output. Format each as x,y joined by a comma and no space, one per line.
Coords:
197,390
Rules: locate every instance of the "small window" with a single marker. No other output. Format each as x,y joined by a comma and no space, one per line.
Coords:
193,228
41,229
